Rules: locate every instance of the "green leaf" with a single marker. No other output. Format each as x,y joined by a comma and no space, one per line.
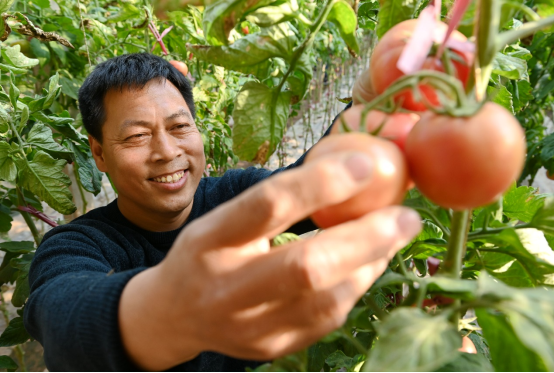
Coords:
5,219
500,95
15,333
271,15
127,11
393,12
5,5
344,17
300,79
14,94
41,137
522,203
17,247
41,51
509,67
338,361
544,217
22,288
468,363
44,177
53,90
508,354
220,17
511,262
186,22
24,117
61,125
7,363
89,175
284,238
4,120
528,321
251,54
70,87
14,57
8,170
547,151
12,69
523,95
260,117
545,8
412,340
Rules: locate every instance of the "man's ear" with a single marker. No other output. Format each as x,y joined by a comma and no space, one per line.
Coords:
97,153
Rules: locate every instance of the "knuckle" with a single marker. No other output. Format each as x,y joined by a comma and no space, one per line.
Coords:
304,269
272,202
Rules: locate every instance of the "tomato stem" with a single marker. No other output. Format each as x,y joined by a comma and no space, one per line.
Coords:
484,233
401,264
430,214
485,31
452,264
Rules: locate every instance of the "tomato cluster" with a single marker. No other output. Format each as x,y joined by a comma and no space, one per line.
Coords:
459,162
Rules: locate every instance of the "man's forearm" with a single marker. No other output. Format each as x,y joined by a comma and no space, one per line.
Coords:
149,336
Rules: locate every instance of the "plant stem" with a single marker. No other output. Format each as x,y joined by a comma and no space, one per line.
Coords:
401,264
527,29
477,235
348,335
445,231
452,264
27,217
486,31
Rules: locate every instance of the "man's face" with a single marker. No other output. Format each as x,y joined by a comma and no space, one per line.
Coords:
151,149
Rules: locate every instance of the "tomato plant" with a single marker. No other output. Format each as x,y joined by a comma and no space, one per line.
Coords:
251,62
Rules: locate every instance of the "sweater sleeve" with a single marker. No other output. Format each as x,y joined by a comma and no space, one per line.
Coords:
73,307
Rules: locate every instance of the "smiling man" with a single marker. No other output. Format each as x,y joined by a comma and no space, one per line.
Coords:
177,272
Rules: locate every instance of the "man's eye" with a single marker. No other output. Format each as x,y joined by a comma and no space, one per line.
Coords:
134,137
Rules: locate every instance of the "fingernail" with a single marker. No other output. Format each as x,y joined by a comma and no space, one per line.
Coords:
360,166
409,223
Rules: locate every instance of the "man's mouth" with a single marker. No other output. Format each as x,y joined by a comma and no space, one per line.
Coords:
170,178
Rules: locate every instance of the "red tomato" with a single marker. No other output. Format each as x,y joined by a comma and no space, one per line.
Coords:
396,126
181,66
387,52
245,30
467,346
463,163
388,182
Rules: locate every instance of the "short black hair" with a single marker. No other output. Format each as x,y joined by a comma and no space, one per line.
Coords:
131,71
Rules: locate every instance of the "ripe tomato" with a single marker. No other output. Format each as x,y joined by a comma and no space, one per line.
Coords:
463,163
387,52
388,182
467,346
396,126
245,30
181,66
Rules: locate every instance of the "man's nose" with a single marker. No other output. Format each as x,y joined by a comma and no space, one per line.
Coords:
165,147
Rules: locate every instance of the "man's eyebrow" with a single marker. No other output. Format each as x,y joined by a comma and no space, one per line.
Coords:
180,113
135,122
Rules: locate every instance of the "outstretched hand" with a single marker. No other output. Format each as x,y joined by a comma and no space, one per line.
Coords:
221,288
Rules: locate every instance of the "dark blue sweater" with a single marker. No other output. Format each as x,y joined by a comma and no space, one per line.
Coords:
80,269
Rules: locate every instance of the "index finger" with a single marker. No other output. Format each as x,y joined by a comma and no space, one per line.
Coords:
275,204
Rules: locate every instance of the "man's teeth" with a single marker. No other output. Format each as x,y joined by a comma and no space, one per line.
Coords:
171,178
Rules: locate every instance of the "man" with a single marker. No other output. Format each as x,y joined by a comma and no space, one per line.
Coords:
156,280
